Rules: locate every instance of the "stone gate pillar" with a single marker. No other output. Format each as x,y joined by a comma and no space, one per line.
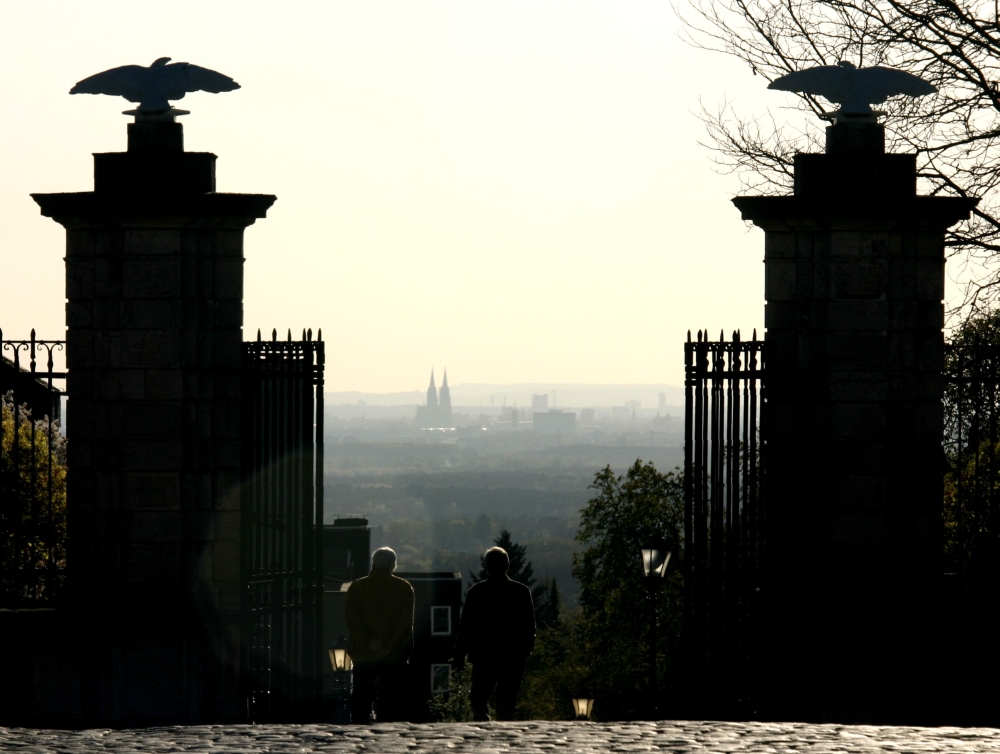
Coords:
154,314
854,281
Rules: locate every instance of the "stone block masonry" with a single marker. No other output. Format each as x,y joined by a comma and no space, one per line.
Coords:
154,312
854,282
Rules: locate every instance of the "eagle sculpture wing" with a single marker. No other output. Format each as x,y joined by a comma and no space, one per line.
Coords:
877,84
181,78
854,89
127,81
152,87
830,81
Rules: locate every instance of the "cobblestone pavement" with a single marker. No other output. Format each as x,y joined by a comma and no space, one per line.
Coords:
495,738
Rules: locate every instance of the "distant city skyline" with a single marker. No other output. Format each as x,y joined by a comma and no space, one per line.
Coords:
575,395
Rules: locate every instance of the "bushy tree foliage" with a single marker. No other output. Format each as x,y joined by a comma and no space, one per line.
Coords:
454,706
554,672
32,499
627,511
954,133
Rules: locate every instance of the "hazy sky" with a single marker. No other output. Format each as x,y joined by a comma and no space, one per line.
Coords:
513,190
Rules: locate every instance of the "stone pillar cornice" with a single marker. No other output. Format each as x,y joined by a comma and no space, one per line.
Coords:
925,213
90,209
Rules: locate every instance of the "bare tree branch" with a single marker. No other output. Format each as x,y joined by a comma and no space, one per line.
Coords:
955,133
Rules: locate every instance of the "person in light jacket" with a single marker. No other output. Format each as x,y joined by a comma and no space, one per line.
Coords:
380,620
497,631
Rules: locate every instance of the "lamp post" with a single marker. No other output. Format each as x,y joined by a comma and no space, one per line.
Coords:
340,681
655,557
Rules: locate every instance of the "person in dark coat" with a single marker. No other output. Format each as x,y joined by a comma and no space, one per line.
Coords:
380,620
497,631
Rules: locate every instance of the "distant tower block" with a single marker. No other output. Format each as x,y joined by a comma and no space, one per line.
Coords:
539,403
662,404
854,282
154,315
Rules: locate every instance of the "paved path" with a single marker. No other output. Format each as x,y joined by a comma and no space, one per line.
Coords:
495,738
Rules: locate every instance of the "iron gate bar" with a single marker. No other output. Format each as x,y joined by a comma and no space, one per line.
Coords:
32,571
282,525
972,379
723,478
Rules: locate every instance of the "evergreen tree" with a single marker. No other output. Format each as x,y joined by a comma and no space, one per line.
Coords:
520,567
522,571
547,604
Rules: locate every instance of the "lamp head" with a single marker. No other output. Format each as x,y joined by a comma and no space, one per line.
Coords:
582,706
655,557
339,659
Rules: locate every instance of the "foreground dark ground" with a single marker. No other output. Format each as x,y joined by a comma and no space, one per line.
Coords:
486,738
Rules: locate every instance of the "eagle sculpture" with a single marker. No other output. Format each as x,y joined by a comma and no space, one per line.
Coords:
153,86
854,89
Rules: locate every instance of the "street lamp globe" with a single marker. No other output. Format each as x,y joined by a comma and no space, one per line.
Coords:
655,557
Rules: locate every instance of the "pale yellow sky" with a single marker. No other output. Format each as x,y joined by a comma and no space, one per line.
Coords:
513,190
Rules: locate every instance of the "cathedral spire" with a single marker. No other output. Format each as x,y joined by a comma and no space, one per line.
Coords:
432,393
446,397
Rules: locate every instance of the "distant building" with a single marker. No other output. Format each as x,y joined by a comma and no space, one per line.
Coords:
510,415
540,402
663,402
554,422
587,415
633,406
619,412
437,412
436,612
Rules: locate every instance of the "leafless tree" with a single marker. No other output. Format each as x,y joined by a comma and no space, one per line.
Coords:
954,44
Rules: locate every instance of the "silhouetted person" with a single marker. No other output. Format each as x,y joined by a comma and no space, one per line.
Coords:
380,618
498,633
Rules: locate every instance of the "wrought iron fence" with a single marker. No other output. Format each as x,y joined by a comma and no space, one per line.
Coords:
32,474
972,452
724,443
971,517
282,512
